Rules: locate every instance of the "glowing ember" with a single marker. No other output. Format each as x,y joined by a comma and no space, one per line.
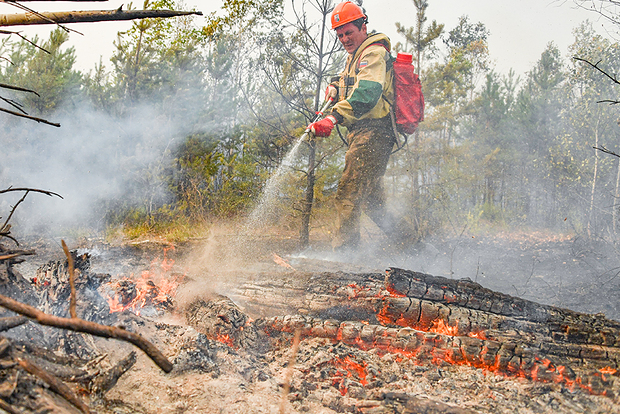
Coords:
440,327
225,339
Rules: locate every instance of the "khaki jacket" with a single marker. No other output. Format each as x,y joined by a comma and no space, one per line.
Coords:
366,82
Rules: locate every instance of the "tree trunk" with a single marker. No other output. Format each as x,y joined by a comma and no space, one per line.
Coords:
614,210
591,212
306,212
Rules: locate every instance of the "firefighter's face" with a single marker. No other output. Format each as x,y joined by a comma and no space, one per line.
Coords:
351,37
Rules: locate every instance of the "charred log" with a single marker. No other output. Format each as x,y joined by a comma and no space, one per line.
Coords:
104,382
443,321
54,383
220,319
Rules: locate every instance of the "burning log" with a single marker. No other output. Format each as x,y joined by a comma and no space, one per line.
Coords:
88,16
443,321
14,357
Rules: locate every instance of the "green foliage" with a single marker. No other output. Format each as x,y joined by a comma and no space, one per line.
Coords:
49,72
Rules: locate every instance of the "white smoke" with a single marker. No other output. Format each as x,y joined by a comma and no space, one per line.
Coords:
91,159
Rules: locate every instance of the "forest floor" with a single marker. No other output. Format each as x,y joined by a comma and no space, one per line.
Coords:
559,270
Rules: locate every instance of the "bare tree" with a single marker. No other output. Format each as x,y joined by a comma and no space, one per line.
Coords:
312,51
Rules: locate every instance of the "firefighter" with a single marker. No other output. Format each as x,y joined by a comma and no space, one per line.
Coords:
363,93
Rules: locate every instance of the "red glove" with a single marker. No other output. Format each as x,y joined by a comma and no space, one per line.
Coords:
323,128
331,92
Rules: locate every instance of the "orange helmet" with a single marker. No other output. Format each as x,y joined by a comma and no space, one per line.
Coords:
346,12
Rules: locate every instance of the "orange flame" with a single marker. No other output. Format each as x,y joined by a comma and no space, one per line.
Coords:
440,327
350,369
155,287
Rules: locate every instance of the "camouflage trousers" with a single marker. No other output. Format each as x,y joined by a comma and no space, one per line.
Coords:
361,185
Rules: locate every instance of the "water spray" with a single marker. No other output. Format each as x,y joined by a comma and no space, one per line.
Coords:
272,188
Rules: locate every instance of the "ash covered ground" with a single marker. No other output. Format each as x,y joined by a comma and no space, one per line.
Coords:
560,271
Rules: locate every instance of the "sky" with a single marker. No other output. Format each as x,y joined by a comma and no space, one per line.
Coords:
519,30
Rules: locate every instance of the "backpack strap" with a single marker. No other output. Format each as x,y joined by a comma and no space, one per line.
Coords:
357,65
399,146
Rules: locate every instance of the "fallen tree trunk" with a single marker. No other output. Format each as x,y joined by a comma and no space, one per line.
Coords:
87,16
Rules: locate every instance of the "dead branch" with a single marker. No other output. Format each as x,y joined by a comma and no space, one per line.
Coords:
56,1
34,118
24,38
17,88
33,190
613,78
11,322
5,228
39,15
289,372
595,66
14,104
17,253
55,384
33,350
606,151
60,371
88,16
73,301
80,325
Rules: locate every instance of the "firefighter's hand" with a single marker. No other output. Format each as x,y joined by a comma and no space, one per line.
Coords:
331,92
323,128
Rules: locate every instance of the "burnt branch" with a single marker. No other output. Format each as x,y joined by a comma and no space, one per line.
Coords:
33,118
73,301
611,77
55,384
80,325
5,229
606,151
10,322
33,190
17,88
596,66
104,382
